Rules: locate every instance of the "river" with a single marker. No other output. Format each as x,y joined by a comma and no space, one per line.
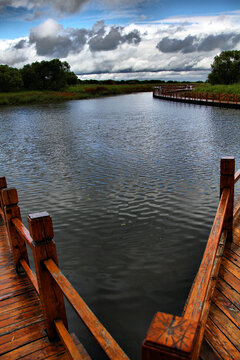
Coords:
132,185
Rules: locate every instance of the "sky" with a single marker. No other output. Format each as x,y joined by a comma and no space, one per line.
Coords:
120,39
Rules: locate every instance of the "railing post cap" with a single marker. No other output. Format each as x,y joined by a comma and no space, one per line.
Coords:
3,182
10,196
227,165
173,333
40,226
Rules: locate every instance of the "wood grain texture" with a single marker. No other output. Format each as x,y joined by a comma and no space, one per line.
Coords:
22,327
223,325
41,231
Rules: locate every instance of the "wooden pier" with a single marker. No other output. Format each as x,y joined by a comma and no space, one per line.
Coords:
33,322
184,94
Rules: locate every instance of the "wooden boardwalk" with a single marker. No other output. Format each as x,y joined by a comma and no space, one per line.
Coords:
178,96
22,334
223,325
209,328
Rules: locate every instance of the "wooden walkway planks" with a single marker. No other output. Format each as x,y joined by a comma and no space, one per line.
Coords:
223,326
21,321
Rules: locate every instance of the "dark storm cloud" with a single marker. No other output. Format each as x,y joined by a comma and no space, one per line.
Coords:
221,41
59,42
51,46
193,43
168,45
21,44
59,45
110,41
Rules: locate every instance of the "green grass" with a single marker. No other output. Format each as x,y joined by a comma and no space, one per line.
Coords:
76,92
218,89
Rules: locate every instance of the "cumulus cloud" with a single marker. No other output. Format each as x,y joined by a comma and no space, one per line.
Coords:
183,49
110,41
191,44
52,40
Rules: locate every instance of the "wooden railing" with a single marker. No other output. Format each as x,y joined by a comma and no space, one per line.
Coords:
181,93
173,337
48,281
169,337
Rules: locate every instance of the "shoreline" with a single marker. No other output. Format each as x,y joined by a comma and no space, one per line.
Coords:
82,92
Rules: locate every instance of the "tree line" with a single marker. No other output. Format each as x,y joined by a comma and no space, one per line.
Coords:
44,75
56,75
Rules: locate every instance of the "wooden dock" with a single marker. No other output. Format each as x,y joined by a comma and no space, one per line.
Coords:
184,95
222,331
22,328
33,322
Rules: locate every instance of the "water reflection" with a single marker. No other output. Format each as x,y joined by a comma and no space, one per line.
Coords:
132,185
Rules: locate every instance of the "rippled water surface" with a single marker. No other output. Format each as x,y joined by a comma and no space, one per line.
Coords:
131,183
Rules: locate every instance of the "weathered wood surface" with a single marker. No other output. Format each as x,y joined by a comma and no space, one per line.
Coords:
222,333
22,327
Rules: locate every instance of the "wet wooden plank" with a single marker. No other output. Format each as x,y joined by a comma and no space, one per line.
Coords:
224,324
38,349
234,248
207,352
228,292
231,267
220,343
226,306
231,256
21,337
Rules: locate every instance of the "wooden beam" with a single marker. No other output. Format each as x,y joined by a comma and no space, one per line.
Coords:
227,181
41,231
11,211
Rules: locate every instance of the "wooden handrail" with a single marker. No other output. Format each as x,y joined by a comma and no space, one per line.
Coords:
236,176
197,296
181,337
51,285
67,340
105,340
30,274
39,239
23,232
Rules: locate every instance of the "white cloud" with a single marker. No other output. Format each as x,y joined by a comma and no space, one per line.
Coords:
173,48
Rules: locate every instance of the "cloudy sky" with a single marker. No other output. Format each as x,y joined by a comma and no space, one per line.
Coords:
120,39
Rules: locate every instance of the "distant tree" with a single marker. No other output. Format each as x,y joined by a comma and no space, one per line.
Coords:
48,75
10,79
225,68
72,78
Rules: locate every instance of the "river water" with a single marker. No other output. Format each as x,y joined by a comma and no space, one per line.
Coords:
131,183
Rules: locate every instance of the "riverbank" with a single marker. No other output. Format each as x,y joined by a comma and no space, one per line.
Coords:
75,92
217,89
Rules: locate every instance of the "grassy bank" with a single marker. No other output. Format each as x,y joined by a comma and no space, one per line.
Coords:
75,92
218,89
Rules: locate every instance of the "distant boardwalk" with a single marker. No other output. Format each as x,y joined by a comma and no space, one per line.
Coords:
181,93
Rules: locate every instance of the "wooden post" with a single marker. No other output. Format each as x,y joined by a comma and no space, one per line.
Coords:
11,211
3,185
41,231
227,180
169,338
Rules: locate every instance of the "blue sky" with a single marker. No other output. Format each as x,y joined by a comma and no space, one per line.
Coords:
120,39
